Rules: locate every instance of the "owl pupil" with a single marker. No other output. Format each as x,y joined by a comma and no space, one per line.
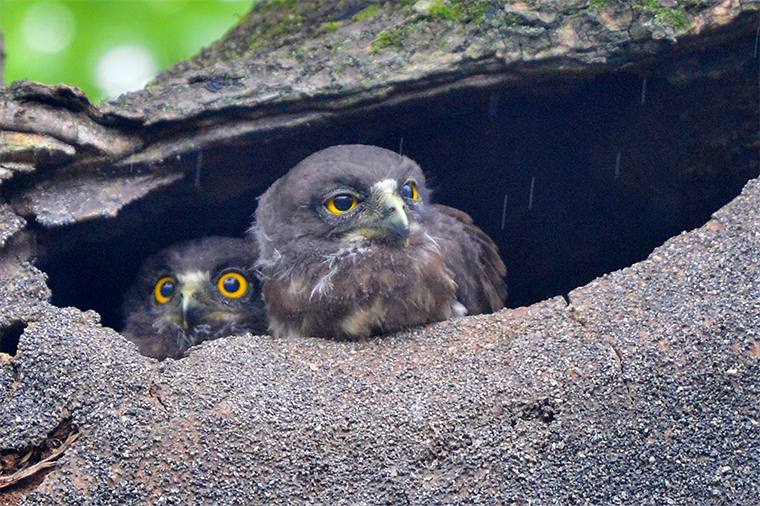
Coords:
167,289
232,285
343,202
407,192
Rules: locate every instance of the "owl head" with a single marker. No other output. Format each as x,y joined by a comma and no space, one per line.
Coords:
344,196
192,292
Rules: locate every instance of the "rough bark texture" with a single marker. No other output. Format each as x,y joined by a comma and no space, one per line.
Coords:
289,64
640,388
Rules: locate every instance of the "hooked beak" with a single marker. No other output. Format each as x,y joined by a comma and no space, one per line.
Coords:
394,218
191,310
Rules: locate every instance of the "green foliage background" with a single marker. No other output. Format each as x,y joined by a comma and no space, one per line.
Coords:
171,29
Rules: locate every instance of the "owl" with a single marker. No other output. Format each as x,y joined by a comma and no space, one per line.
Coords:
192,292
350,246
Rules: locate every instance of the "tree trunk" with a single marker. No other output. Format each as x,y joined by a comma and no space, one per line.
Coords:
579,135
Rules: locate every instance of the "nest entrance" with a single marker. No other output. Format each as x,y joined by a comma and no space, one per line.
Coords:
572,178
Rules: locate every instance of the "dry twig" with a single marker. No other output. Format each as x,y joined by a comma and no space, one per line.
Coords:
49,461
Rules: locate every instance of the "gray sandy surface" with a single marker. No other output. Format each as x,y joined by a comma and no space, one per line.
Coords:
642,390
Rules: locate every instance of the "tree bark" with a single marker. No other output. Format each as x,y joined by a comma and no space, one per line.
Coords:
638,387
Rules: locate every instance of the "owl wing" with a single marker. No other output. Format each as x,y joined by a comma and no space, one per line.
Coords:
474,261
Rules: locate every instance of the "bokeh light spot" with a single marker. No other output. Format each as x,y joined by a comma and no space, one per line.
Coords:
48,27
124,68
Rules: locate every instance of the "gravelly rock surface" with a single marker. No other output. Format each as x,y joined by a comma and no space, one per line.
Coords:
643,390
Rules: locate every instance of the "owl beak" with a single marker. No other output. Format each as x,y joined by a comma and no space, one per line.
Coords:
394,215
191,310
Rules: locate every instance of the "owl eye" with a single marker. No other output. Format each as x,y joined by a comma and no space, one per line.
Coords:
409,190
164,290
341,203
233,285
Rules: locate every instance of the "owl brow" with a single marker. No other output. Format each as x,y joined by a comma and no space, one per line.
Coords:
192,276
163,271
351,182
233,264
389,185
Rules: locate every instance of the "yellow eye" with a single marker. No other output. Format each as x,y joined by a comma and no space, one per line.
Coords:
409,190
164,289
233,285
341,203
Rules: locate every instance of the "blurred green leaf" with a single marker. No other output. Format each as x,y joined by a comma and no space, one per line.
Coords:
162,30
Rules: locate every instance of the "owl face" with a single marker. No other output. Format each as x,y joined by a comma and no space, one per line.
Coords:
376,200
193,292
197,299
384,212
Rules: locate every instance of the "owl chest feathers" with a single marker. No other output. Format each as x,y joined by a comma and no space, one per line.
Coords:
361,290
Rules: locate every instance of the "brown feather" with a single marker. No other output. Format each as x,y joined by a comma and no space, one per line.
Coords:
491,269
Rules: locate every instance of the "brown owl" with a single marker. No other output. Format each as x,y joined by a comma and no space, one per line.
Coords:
350,246
192,292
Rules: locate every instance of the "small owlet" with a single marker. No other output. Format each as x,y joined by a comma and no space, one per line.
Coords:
192,292
350,246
